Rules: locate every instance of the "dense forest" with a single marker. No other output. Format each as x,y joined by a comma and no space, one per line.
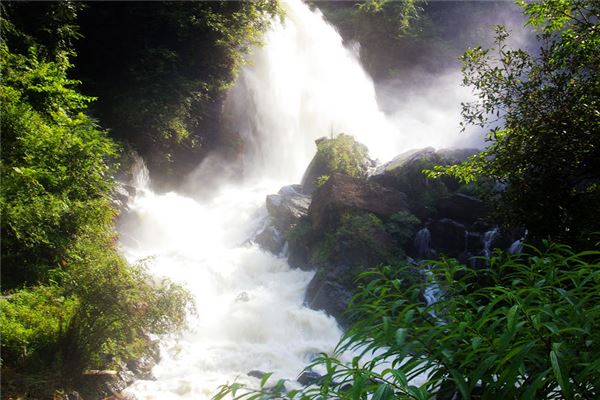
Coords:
478,269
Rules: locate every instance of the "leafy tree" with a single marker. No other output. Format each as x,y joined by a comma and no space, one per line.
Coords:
526,328
160,70
542,111
69,301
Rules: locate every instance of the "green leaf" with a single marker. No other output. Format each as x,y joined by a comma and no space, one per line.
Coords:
265,378
560,373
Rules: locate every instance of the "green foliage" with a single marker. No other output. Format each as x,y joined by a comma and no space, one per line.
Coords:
343,155
527,328
118,305
69,301
321,180
545,150
403,226
361,230
54,167
162,89
32,321
392,16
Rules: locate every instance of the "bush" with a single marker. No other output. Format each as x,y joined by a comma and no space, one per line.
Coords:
526,328
32,321
69,301
341,154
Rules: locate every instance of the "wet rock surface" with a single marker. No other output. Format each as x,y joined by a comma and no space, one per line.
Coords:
344,194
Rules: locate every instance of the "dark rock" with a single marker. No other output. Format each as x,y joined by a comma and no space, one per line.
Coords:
455,156
270,239
72,396
121,195
308,378
462,208
316,168
329,296
406,160
405,174
448,236
142,368
124,378
299,255
286,207
256,374
342,194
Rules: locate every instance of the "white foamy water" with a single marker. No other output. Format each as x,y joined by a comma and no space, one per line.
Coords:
301,85
250,314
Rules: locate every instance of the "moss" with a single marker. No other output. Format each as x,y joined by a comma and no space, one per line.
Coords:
402,226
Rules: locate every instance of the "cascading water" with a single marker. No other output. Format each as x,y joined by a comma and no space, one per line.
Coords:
488,240
432,291
250,314
301,85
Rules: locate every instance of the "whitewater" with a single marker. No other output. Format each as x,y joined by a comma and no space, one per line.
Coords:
301,85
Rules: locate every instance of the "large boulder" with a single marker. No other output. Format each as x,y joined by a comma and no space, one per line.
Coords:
287,206
448,237
344,194
405,173
326,294
341,154
461,207
270,239
285,209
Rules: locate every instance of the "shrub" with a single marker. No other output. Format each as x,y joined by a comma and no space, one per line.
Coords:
341,154
32,321
69,301
526,328
402,226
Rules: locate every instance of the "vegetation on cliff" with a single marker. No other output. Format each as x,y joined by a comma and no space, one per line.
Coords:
69,301
542,111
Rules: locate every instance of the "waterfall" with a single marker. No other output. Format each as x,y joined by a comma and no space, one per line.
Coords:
250,315
423,243
432,292
301,85
488,240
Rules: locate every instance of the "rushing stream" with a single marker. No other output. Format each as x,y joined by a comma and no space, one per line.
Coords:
301,85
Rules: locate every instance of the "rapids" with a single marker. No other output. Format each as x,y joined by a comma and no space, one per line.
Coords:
302,84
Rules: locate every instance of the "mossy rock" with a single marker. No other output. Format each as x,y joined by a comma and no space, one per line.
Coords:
341,154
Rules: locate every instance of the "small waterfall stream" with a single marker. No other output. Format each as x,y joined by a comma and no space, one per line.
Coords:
433,291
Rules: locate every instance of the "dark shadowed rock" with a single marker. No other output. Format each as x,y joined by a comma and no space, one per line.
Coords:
448,236
461,207
256,374
316,168
342,194
308,378
287,206
329,296
121,195
407,159
270,239
455,156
